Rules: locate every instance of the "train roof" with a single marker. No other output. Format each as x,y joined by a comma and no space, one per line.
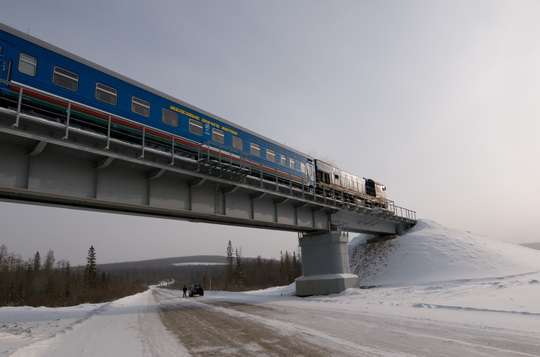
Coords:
46,45
346,172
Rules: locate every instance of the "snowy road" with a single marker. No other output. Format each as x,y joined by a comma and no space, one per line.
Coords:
230,324
377,322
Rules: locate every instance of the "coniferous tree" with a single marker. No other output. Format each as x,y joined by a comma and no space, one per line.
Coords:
91,268
287,268
239,271
37,262
281,268
229,272
49,261
67,277
259,279
3,256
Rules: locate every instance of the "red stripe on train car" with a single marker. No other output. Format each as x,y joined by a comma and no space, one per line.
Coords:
117,120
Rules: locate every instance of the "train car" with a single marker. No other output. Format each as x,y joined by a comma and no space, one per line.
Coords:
333,181
49,77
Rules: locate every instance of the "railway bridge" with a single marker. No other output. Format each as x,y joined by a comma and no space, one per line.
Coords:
52,161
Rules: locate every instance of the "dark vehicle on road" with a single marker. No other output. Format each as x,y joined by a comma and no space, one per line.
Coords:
196,289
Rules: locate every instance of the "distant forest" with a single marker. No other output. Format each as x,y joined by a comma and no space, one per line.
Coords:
44,281
238,273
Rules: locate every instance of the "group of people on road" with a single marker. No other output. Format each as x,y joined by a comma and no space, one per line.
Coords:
195,290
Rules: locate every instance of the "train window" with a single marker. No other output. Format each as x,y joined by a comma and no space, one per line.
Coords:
27,64
1,49
169,117
255,150
106,94
283,160
65,79
237,143
218,136
292,164
303,167
326,178
270,155
140,106
195,127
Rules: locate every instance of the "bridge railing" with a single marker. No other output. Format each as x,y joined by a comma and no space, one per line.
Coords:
401,211
206,159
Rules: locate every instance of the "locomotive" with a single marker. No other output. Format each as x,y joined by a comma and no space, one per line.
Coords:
44,78
349,187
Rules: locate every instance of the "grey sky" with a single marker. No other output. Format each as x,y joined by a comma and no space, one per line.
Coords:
437,99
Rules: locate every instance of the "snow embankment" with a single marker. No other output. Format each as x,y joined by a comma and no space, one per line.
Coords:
130,326
431,252
23,325
285,290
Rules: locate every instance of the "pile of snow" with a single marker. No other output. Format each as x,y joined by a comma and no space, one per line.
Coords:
430,253
286,290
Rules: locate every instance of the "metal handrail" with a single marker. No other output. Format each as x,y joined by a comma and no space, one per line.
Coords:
397,211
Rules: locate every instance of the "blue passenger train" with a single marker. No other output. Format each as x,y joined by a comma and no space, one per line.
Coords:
51,77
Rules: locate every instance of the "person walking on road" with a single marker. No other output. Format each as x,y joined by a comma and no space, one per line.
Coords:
184,290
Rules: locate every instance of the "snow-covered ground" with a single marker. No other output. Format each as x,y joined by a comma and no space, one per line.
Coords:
433,291
21,326
126,327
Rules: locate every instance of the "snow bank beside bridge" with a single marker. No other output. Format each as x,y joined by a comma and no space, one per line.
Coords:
431,252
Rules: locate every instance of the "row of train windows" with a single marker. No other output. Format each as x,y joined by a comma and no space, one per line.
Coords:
104,93
271,156
219,137
109,95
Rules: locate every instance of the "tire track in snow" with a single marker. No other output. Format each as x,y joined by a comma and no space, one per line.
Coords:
229,331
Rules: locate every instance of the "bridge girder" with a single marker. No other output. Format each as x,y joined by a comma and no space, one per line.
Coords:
125,181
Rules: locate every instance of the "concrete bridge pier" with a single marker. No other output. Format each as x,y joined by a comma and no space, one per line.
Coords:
325,261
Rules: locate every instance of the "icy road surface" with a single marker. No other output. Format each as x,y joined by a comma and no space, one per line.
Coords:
236,324
398,321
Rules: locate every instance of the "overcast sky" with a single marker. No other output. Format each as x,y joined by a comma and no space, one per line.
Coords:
440,100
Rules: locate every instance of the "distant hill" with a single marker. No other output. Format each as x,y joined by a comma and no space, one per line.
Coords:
535,245
162,263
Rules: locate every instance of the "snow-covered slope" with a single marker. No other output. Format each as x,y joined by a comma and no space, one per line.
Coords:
431,252
130,326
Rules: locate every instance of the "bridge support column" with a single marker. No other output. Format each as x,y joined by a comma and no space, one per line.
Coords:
325,262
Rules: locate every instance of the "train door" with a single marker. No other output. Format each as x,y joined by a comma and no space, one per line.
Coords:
370,188
4,65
